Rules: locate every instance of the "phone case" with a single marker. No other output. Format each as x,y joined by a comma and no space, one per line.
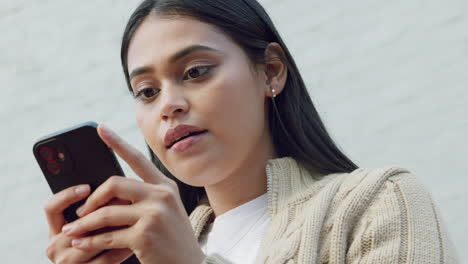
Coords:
74,156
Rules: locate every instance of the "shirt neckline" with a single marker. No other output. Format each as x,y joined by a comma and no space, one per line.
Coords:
224,226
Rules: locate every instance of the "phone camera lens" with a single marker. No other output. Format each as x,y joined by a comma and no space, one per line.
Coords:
53,167
46,153
61,156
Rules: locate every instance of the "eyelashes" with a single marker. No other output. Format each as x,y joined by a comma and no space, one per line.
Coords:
196,72
193,74
146,94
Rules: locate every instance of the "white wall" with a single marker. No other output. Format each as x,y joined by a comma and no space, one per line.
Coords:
388,77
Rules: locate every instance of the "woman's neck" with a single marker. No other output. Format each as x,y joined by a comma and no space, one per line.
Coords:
236,190
244,184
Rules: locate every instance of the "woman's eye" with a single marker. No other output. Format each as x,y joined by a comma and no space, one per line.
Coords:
147,93
196,72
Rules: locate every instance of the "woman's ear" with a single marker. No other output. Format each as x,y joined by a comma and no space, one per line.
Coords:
275,68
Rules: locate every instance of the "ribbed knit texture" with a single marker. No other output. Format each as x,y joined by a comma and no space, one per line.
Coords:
367,216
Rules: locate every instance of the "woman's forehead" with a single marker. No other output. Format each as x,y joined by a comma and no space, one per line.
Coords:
159,38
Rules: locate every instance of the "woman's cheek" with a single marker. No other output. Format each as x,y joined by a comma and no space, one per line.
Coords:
228,113
139,117
145,124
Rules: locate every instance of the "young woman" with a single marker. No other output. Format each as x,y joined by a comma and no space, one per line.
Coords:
245,169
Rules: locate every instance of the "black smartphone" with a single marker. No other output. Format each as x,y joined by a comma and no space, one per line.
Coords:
74,156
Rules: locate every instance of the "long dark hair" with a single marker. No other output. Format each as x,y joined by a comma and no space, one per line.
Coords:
295,124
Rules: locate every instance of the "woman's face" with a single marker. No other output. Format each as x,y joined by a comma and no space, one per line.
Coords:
184,71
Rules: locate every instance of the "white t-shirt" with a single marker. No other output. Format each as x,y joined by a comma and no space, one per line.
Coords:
236,234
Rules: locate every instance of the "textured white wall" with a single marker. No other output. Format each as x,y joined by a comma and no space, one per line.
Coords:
388,77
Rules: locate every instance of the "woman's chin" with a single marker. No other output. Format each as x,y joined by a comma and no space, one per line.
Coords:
198,173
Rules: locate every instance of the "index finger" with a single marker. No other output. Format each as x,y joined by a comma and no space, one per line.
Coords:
144,168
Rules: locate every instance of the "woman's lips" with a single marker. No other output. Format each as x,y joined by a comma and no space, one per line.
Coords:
178,132
186,143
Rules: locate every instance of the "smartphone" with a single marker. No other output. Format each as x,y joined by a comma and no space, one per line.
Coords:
74,156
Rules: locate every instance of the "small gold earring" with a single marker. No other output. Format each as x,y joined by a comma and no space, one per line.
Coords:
274,92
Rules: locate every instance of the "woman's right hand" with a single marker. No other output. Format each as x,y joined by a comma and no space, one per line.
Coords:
60,249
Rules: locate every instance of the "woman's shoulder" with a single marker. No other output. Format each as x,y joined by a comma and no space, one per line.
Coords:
381,210
365,183
295,183
365,191
366,188
391,207
361,183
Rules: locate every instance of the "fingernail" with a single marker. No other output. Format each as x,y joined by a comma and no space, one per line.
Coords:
82,190
106,131
80,210
66,228
77,242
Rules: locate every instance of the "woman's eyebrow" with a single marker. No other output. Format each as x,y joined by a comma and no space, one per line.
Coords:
177,56
140,71
186,51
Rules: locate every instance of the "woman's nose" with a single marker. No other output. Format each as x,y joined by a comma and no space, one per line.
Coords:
173,102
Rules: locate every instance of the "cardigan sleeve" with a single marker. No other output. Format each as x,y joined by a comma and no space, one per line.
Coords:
401,225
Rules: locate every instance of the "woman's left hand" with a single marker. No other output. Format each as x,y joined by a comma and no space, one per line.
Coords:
154,225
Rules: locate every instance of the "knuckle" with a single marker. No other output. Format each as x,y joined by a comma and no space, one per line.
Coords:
54,249
111,185
173,185
53,244
154,215
50,252
165,192
81,225
62,260
105,215
114,181
48,207
154,221
168,196
143,236
107,240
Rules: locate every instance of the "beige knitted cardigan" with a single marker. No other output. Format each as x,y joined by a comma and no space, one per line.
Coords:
367,216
